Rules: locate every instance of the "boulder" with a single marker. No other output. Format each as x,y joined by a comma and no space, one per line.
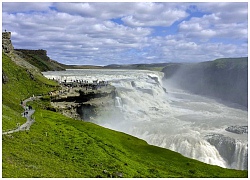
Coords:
238,129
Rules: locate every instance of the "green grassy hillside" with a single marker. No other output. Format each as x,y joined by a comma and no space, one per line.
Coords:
20,85
57,146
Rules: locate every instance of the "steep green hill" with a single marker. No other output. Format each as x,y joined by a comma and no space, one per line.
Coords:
57,146
19,83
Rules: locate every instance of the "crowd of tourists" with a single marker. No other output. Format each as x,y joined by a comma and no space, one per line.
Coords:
26,108
84,84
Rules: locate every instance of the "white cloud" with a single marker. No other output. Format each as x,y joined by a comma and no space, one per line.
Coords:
175,49
59,33
153,14
133,14
228,12
87,33
103,11
13,7
213,26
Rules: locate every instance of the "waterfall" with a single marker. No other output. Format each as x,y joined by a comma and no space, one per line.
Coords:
118,102
171,118
240,156
233,151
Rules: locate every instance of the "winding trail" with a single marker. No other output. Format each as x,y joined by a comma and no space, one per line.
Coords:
29,122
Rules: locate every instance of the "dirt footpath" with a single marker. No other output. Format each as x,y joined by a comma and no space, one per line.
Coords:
29,122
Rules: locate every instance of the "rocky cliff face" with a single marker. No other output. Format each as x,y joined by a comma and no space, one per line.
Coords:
82,104
226,79
7,46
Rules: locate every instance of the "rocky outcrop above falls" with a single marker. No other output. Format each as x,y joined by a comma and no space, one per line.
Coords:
82,104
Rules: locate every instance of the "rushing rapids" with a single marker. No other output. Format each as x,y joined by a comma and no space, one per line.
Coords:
154,110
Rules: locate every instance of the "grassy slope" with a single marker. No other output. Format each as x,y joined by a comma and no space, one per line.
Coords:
19,86
57,146
40,59
231,62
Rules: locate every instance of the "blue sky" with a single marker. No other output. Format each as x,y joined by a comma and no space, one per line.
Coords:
128,33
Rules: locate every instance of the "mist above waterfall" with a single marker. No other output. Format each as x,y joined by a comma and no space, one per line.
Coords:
222,79
164,115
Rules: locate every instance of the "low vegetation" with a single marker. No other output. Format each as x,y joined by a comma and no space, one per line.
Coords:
40,59
58,147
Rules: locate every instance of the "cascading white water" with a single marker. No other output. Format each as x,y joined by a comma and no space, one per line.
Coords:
170,117
240,158
118,102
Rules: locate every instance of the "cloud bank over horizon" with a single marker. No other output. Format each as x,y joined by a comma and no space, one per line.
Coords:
129,33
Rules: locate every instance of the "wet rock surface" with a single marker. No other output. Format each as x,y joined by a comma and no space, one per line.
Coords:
228,148
238,129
